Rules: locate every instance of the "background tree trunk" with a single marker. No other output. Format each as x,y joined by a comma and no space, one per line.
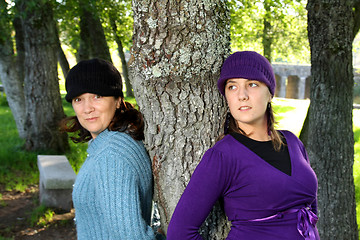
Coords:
61,57
92,32
267,31
84,51
331,140
42,94
178,49
64,64
11,68
125,71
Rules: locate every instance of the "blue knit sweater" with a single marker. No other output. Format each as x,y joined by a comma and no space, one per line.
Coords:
113,190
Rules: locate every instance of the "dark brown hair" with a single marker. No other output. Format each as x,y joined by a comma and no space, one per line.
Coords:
230,126
126,119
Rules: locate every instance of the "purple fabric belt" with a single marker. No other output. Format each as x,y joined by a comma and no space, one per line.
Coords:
306,221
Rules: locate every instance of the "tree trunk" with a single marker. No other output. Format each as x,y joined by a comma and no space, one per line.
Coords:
267,31
125,72
96,37
11,71
84,51
61,57
178,49
331,139
304,134
42,95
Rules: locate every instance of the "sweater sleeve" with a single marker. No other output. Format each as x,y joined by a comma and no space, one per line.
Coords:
207,184
118,189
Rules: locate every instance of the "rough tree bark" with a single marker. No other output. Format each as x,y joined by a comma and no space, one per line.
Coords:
178,49
331,141
42,95
11,67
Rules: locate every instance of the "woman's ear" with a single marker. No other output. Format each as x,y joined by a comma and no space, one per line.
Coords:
118,102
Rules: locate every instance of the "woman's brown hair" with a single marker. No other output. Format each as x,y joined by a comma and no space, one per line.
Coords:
126,119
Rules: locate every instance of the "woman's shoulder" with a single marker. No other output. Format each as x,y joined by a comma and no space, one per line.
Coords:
121,146
225,145
223,149
113,142
118,138
290,136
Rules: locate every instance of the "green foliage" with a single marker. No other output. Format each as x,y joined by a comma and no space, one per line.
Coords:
5,21
288,32
67,15
121,13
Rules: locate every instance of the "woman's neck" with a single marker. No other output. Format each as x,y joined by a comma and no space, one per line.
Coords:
258,133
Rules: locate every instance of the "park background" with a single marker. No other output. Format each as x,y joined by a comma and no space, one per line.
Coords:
277,29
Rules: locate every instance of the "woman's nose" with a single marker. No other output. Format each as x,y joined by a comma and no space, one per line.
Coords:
243,94
88,107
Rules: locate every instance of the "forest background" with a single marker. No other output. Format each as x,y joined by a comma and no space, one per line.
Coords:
167,41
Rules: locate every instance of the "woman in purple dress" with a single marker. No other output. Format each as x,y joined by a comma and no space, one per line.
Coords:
261,175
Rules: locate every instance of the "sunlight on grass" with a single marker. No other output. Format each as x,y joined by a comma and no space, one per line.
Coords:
41,216
356,125
290,114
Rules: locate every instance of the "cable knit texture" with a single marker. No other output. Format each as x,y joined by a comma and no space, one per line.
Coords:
113,191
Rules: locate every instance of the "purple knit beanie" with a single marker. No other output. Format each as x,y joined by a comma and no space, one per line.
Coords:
249,65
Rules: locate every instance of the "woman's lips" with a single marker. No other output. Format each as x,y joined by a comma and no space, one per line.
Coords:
244,108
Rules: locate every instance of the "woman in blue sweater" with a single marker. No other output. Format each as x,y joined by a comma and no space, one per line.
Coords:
113,190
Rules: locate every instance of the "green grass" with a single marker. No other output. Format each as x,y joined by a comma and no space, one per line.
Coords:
41,216
18,168
290,113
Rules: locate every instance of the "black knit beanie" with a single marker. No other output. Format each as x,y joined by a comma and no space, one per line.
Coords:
93,76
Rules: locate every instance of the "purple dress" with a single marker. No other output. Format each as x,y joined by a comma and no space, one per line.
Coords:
261,202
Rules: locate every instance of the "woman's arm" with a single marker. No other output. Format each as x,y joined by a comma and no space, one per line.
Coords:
207,184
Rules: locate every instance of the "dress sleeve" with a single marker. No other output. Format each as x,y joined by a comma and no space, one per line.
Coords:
119,190
207,184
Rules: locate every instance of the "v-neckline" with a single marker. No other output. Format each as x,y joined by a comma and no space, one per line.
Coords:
268,164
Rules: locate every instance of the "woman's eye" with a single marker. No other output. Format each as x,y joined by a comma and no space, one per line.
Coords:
253,84
97,96
232,87
76,100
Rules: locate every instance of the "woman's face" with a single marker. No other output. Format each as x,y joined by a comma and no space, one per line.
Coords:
95,112
247,101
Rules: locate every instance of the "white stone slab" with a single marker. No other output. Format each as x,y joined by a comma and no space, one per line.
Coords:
55,172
